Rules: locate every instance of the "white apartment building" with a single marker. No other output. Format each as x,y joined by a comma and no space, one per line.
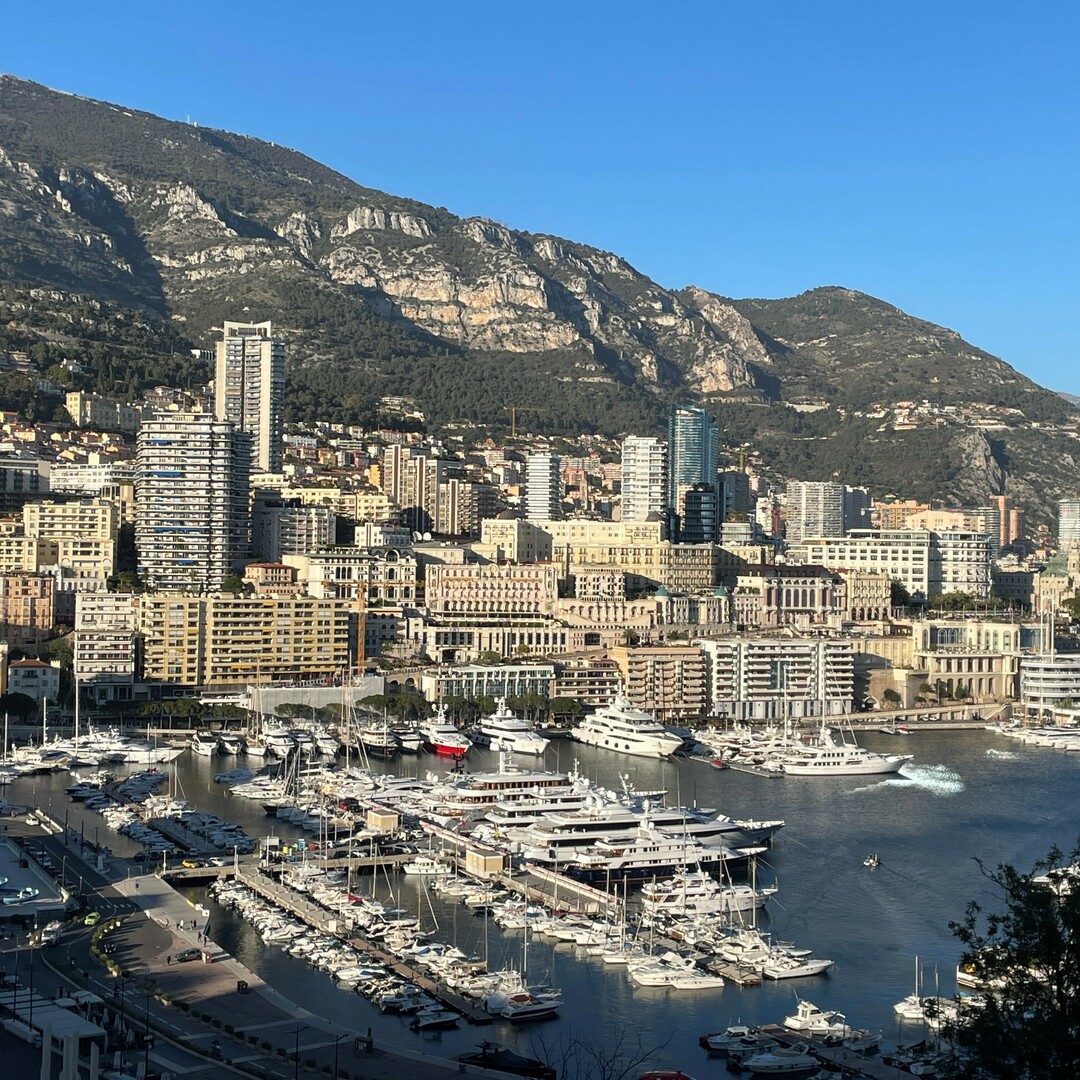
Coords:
1049,683
1068,524
249,388
193,526
813,509
543,487
105,645
644,477
277,531
86,478
925,563
475,681
963,561
767,678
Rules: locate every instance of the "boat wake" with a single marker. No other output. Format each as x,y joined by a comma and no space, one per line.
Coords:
937,779
1003,755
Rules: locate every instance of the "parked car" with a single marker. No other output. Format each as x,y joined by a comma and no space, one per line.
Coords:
188,954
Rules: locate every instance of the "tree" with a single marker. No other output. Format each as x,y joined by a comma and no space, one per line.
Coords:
891,696
577,1058
126,581
1029,952
18,705
233,583
567,708
899,596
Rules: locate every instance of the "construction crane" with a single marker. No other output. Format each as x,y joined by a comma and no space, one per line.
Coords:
515,409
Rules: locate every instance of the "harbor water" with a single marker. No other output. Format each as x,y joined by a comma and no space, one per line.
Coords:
968,796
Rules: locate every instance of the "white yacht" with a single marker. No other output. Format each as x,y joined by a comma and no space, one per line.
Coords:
231,742
619,726
204,743
827,757
502,726
278,741
691,892
481,791
646,855
557,832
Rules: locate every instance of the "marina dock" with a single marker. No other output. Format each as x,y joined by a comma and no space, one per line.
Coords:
326,922
847,1060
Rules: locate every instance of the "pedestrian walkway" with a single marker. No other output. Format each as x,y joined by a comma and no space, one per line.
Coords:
212,987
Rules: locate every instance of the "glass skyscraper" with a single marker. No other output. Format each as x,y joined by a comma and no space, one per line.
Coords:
693,448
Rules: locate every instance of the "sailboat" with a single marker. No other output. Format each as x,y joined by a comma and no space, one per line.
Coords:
254,743
514,1000
911,1007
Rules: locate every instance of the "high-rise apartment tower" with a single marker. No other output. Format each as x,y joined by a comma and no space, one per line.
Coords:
644,477
249,388
193,523
693,447
543,488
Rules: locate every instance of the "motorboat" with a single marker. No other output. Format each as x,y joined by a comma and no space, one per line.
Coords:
378,740
231,742
827,757
410,741
204,743
425,866
480,791
279,742
621,727
795,967
434,1017
738,1040
21,896
808,1019
526,1007
872,860
560,832
505,728
782,1061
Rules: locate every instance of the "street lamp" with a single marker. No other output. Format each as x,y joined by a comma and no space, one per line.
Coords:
296,1053
123,1030
337,1042
146,1035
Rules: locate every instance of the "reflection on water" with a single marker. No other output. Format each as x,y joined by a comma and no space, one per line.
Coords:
956,803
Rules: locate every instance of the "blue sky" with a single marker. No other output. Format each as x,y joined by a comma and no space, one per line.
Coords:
925,153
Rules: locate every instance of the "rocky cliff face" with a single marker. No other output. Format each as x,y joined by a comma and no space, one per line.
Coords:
204,211
200,225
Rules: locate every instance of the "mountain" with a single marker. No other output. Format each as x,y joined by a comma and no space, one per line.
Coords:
383,295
